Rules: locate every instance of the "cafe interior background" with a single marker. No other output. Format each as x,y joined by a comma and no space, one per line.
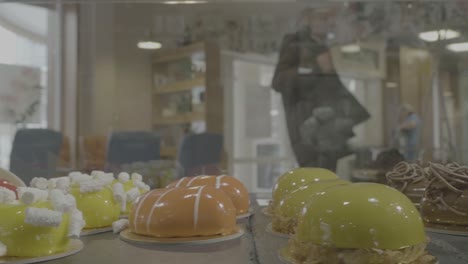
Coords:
93,69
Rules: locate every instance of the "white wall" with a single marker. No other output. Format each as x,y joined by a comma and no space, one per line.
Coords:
115,76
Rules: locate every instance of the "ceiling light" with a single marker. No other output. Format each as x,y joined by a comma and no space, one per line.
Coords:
149,45
436,35
458,47
352,48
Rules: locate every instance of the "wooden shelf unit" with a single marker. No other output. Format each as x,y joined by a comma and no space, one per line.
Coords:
179,119
179,53
181,86
212,114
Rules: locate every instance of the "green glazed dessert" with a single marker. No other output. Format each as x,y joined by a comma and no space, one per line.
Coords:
359,223
295,179
284,218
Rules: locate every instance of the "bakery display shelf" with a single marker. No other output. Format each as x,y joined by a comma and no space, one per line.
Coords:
94,231
74,247
179,119
171,55
256,246
130,237
269,229
246,215
181,86
265,212
447,229
285,258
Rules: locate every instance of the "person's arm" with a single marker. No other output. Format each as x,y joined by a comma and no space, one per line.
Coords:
409,123
286,69
325,62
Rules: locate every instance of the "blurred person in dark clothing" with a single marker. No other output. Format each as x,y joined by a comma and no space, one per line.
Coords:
320,111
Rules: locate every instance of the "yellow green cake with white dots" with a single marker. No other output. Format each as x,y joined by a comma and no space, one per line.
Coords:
99,196
39,223
133,186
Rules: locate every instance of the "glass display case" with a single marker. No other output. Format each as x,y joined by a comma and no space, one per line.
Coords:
373,91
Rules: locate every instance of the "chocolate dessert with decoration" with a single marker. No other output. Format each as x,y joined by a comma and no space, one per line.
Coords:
410,179
445,202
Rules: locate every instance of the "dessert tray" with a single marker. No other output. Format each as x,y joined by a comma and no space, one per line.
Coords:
246,215
284,256
269,229
74,247
94,231
130,237
447,229
265,212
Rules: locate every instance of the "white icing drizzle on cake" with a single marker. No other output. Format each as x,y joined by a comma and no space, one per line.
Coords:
148,221
218,181
196,207
179,182
137,211
191,180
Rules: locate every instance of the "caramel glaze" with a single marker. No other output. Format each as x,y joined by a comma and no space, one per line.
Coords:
410,179
446,197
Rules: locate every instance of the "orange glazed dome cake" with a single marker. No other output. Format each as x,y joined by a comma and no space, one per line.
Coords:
230,185
183,212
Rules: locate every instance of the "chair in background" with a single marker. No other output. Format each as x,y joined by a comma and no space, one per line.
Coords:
64,154
35,153
201,154
129,147
92,151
